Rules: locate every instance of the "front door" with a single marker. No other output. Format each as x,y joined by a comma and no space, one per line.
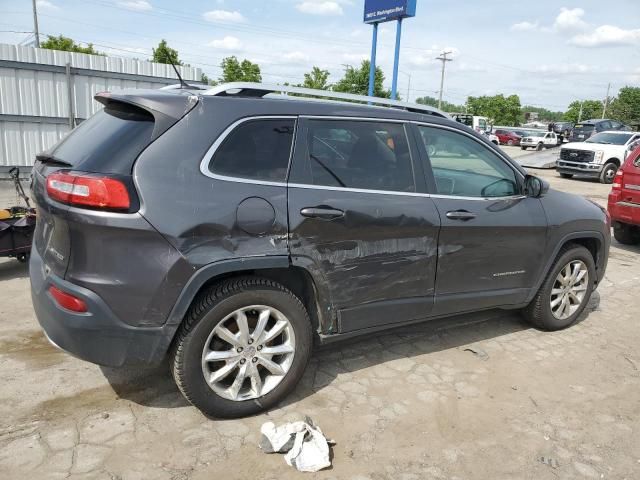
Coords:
492,239
359,224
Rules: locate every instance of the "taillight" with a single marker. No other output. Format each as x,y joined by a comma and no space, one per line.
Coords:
67,301
617,180
88,190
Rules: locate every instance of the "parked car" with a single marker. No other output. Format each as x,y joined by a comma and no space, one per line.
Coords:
600,156
584,130
508,137
230,229
493,138
624,200
539,140
563,128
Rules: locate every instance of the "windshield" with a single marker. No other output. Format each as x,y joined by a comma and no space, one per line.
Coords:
610,138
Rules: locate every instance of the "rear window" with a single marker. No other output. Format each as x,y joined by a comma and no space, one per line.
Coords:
257,149
109,141
610,138
584,128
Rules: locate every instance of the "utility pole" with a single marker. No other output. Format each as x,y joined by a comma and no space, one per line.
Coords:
443,58
35,24
606,101
408,87
580,114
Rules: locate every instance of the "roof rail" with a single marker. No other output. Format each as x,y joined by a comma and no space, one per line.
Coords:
248,89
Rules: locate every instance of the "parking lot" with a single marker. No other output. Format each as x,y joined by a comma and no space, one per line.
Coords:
474,397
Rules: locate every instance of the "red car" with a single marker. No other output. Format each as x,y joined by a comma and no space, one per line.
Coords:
624,200
507,137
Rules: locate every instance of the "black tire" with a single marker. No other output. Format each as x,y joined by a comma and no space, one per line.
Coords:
523,148
626,234
540,147
566,175
608,173
510,143
207,311
538,312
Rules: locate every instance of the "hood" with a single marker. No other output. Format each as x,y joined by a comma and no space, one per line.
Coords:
589,147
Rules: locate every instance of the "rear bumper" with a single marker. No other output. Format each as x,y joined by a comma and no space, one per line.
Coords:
623,211
97,336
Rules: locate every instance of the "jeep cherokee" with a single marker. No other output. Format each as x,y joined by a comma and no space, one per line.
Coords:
229,229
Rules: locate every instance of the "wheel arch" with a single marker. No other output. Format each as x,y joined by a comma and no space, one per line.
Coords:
591,240
277,268
613,160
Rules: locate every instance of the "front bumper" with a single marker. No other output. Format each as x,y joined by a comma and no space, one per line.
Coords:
97,336
582,168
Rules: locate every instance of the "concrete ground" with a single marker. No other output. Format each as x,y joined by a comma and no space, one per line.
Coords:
411,403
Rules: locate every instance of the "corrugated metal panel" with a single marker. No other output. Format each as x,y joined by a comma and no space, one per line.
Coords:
45,94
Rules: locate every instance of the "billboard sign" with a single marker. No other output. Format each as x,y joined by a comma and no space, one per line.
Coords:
376,11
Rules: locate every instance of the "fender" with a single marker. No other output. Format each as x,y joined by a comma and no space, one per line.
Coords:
206,273
571,236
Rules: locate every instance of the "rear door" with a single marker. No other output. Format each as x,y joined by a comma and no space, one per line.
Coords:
359,222
492,237
631,182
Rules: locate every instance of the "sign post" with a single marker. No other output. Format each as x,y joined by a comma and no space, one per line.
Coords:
378,11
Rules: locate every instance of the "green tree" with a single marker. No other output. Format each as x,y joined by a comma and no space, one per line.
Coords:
165,54
446,106
499,109
235,71
626,107
316,79
205,79
590,109
66,44
356,80
544,114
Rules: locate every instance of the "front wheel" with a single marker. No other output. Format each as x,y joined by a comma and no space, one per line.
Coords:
608,173
523,148
565,291
566,175
243,347
540,147
510,143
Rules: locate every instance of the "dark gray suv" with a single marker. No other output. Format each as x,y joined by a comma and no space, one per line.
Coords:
232,228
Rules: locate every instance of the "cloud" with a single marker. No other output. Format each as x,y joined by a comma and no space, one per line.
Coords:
296,57
137,5
570,20
605,36
47,5
223,16
564,69
227,43
320,8
524,27
355,58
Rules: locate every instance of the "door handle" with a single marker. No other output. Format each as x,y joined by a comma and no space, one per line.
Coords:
322,212
463,215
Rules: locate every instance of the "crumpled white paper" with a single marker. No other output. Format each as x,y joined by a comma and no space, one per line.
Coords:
305,445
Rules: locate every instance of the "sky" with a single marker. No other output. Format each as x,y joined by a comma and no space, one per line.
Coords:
549,52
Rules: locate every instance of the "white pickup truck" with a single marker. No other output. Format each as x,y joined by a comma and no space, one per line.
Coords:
599,156
539,140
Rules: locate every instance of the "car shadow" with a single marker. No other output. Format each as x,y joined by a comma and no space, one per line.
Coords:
155,387
10,269
626,248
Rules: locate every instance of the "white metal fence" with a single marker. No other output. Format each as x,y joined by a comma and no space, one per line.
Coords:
45,93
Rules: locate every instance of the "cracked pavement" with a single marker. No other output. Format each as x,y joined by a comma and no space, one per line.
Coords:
473,397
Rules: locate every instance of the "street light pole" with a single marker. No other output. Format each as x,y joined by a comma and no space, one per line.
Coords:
35,24
443,58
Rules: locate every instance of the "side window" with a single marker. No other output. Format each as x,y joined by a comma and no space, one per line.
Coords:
257,150
464,167
359,154
602,126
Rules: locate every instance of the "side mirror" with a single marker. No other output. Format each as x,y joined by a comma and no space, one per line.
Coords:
535,187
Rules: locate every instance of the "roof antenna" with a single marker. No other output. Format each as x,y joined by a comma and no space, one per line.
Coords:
183,84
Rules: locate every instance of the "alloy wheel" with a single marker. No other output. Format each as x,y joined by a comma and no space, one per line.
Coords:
569,289
248,353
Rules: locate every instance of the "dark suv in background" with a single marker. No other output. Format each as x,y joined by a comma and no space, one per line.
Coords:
583,130
229,229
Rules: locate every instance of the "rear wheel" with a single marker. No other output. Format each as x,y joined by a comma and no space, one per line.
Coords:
242,348
626,234
566,175
565,292
608,173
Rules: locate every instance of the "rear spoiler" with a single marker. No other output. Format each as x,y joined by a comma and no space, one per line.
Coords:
167,107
